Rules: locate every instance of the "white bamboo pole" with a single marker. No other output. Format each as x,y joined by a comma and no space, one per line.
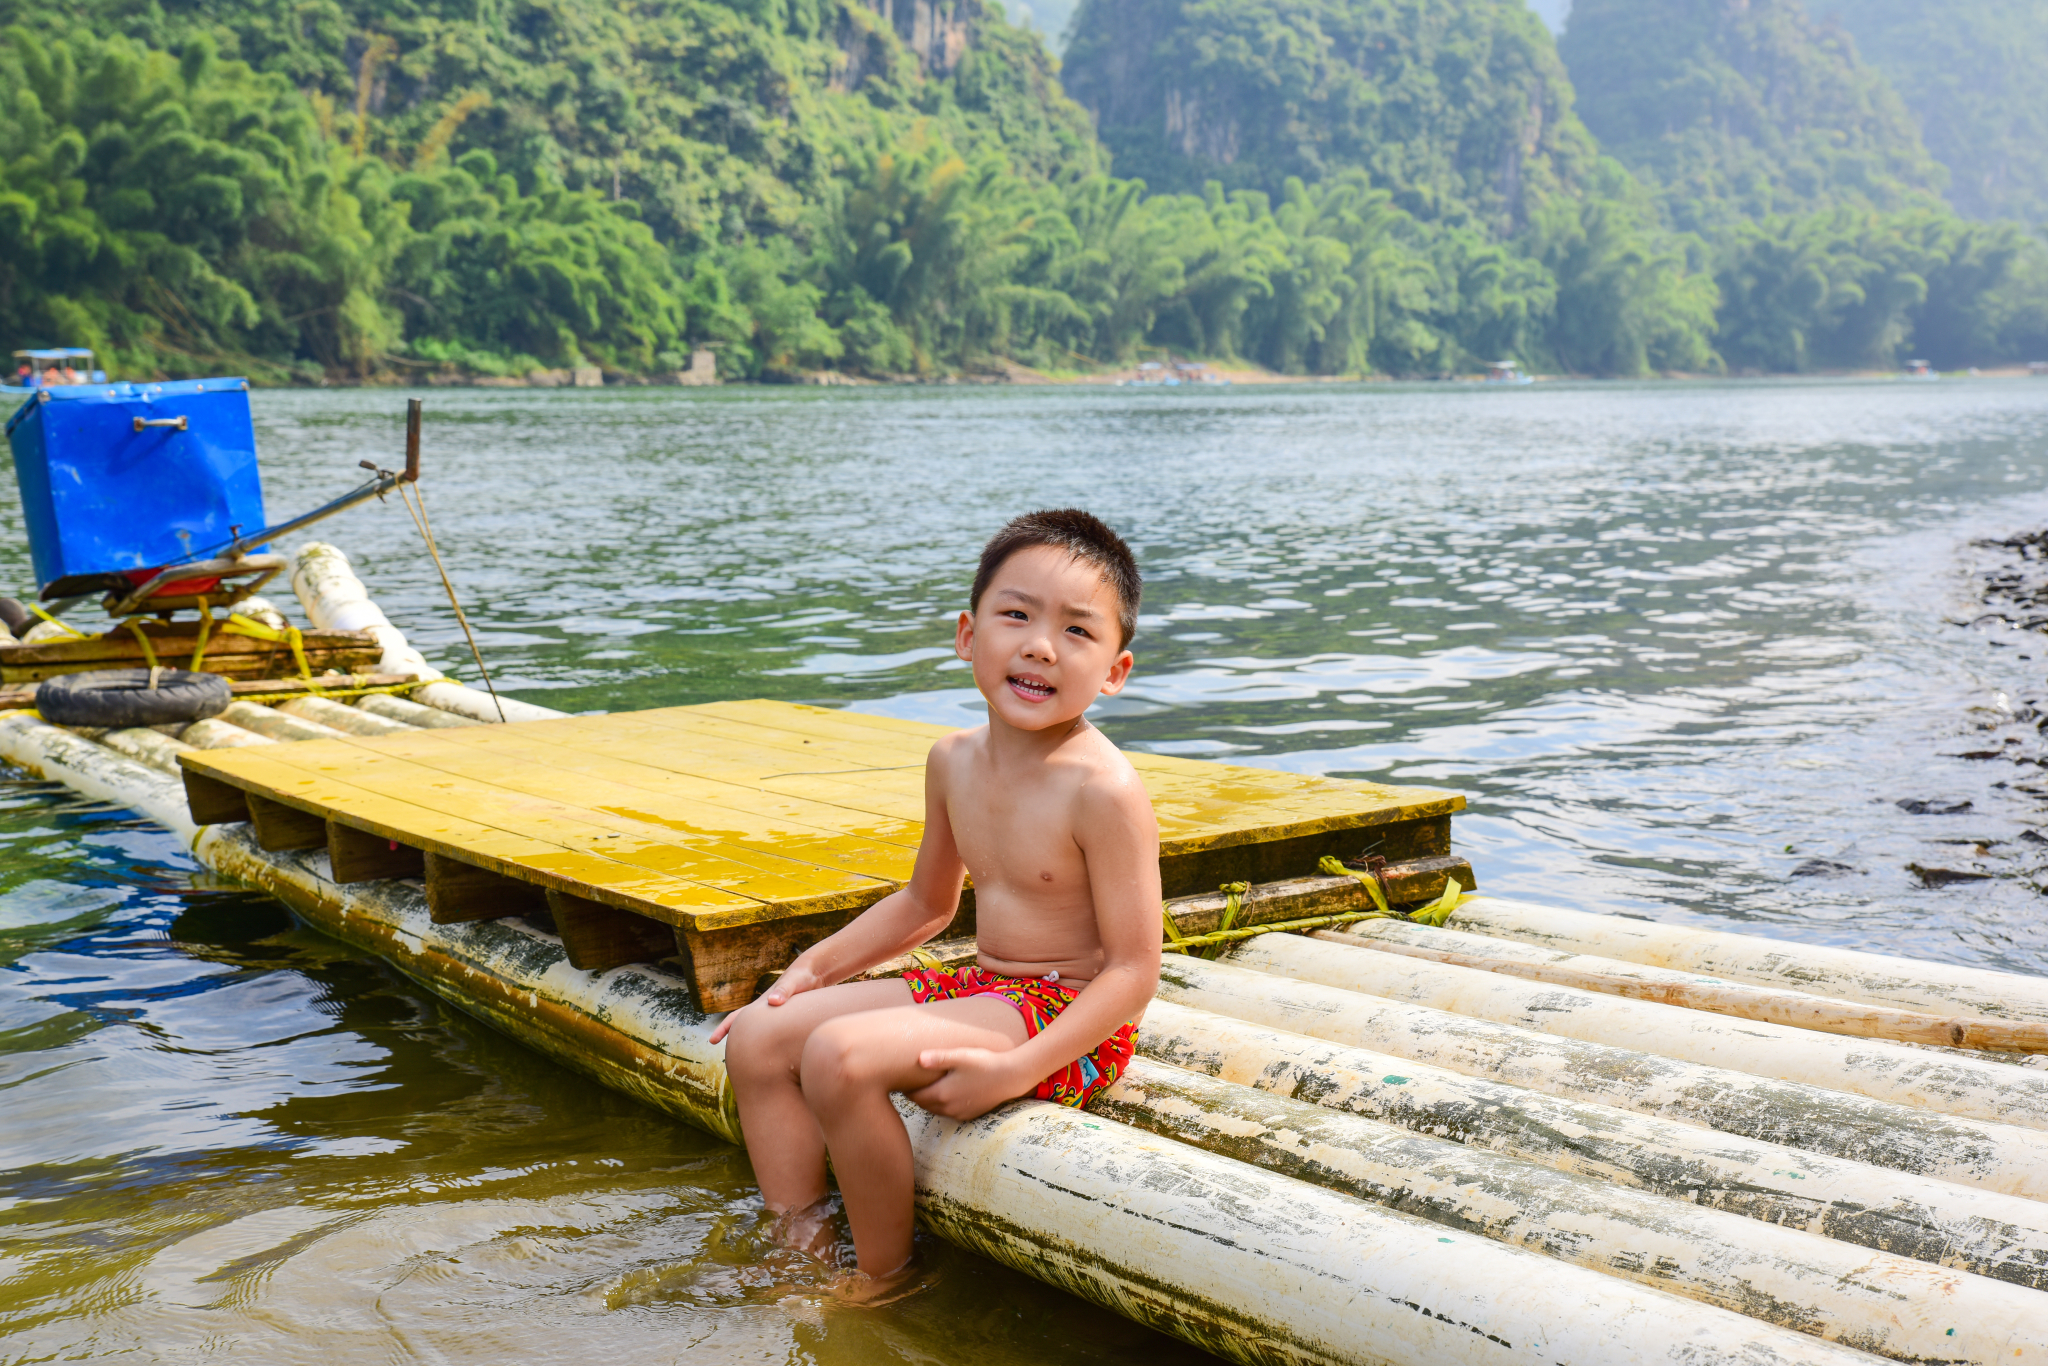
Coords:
269,721
1258,1267
335,598
1948,1083
1985,1232
54,753
146,746
214,733
2000,1157
327,712
1876,978
412,713
1697,991
1878,1302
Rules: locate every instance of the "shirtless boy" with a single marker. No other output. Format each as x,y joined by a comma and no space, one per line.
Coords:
1056,828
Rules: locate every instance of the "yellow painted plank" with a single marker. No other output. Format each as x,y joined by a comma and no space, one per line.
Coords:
649,757
1233,783
608,853
476,789
734,812
894,795
631,797
1199,805
513,855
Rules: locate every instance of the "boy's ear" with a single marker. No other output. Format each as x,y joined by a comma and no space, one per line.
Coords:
1119,674
963,637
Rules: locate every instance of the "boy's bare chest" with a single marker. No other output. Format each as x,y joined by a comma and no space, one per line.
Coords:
1019,838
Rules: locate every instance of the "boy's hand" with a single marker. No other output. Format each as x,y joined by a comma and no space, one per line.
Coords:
796,979
977,1080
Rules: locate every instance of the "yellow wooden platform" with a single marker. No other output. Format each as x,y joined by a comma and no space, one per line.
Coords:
733,832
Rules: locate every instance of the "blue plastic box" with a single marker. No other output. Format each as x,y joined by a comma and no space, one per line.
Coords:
101,496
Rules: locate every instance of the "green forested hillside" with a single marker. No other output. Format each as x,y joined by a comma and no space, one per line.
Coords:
1462,109
1740,112
326,188
1971,72
1763,131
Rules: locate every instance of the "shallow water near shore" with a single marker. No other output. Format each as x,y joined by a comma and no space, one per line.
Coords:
1699,653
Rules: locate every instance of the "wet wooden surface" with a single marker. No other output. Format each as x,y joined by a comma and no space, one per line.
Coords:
725,819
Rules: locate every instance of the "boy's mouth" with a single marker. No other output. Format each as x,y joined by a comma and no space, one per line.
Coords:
1031,689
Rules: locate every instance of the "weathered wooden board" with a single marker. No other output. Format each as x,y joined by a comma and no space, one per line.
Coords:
235,656
742,831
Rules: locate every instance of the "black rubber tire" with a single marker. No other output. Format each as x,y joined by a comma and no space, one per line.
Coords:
115,698
15,617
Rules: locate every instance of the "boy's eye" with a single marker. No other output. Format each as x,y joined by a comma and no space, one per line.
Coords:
1081,631
1017,614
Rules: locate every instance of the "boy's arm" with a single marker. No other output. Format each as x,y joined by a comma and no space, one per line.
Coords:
898,922
1119,835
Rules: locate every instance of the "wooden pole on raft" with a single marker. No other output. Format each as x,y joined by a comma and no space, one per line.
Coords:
2000,1157
1947,1083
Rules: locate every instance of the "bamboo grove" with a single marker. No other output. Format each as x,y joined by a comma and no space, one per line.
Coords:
325,189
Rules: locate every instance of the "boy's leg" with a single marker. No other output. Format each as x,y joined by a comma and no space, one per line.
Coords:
763,1053
850,1065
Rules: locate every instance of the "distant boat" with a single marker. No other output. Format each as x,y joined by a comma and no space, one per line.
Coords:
1155,375
62,361
1506,372
1920,369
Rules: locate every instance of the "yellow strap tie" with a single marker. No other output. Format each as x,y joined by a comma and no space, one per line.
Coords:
65,628
256,630
1329,864
928,960
148,652
205,632
1233,902
1434,914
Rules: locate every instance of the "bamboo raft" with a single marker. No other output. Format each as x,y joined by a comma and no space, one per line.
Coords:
1532,1134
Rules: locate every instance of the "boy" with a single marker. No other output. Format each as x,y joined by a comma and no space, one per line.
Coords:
1059,834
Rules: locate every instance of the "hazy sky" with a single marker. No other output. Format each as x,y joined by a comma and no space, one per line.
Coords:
1050,16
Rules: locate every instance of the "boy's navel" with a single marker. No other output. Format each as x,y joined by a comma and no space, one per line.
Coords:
1045,877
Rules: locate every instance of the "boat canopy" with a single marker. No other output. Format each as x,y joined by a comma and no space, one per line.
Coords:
57,353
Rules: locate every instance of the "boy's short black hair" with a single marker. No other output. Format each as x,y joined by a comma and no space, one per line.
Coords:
1082,535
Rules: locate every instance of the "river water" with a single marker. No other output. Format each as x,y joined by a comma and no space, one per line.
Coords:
1687,648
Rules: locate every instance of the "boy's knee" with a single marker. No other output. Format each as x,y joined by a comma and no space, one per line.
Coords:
835,1059
756,1045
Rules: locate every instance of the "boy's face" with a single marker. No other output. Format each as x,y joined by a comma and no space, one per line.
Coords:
1045,641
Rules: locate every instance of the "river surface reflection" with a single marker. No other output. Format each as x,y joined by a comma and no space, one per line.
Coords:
1687,648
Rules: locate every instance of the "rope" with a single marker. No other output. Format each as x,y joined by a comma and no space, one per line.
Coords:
406,494
368,690
1434,914
1191,942
148,652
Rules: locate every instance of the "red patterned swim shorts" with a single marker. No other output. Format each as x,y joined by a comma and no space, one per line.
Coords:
1040,1003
